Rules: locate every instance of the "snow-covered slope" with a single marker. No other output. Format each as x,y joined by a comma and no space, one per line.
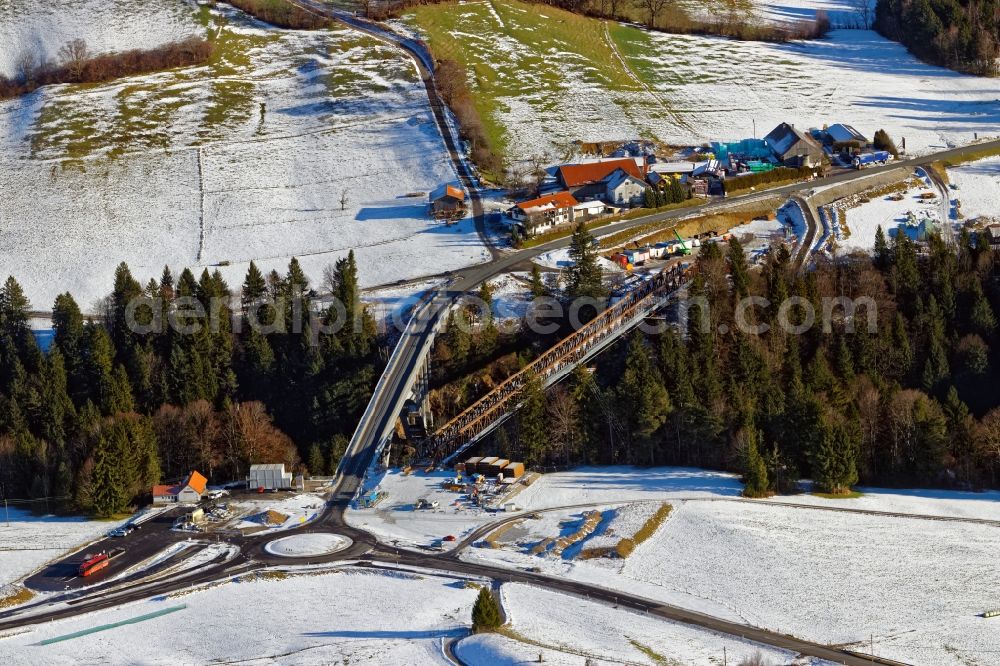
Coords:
42,27
245,158
354,618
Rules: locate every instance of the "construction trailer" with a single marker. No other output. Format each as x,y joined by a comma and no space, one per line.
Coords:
269,476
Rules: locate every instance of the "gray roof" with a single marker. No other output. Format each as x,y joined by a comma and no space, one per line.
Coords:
840,133
784,136
268,466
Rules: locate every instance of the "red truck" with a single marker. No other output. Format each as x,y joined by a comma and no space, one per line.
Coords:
93,563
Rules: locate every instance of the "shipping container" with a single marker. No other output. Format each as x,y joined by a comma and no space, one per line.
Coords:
472,464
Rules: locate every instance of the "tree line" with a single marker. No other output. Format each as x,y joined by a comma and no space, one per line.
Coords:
108,411
913,402
77,65
963,35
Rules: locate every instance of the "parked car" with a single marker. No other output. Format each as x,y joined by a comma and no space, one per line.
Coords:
450,537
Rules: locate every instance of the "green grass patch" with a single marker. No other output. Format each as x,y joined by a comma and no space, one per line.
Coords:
653,655
514,50
854,494
21,595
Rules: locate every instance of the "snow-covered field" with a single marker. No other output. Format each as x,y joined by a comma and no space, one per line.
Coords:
917,586
572,630
30,541
978,188
395,518
595,84
855,76
299,509
560,259
353,617
864,219
42,27
623,523
187,168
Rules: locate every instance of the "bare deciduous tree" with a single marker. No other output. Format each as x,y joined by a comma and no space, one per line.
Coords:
863,10
653,8
74,54
25,66
343,199
564,416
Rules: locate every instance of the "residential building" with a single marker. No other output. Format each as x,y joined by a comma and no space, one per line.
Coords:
269,476
544,213
191,490
586,181
992,235
623,189
793,147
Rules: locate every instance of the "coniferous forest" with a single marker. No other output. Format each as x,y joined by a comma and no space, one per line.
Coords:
963,35
916,402
109,411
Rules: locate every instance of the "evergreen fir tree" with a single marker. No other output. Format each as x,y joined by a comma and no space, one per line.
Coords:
835,460
537,286
642,398
533,435
883,257
317,463
485,613
738,268
585,278
755,483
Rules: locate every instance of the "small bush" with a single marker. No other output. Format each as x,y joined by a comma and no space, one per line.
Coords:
625,547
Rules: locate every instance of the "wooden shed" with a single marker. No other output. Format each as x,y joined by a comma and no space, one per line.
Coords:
448,202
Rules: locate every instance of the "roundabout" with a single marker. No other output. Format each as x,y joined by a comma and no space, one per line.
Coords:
312,544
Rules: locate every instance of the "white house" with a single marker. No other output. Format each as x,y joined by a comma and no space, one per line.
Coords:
271,476
544,213
623,189
191,490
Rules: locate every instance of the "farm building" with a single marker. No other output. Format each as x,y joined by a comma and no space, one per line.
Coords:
624,189
541,214
447,202
793,147
992,235
192,489
271,476
841,133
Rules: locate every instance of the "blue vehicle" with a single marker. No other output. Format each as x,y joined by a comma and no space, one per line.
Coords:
871,159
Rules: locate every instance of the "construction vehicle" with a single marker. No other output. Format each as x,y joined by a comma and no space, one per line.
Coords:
683,250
